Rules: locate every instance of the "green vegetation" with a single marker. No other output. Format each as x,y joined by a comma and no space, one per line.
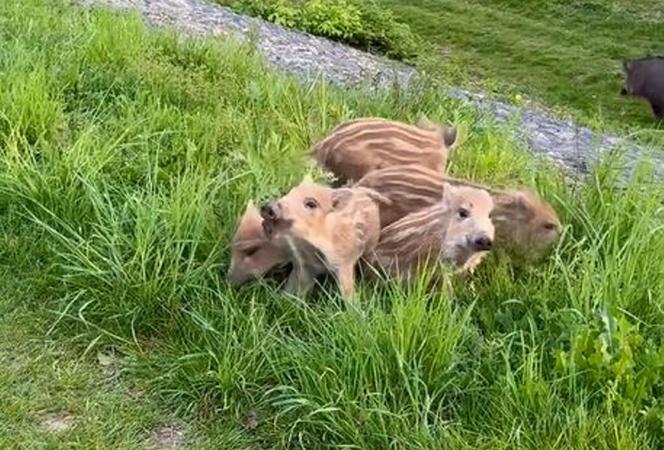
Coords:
126,156
566,54
53,398
361,23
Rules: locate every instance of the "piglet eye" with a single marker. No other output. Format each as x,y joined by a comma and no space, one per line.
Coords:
250,251
550,226
463,213
310,203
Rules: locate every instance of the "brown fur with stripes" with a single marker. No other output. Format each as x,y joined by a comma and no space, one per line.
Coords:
526,225
325,230
357,147
453,230
409,188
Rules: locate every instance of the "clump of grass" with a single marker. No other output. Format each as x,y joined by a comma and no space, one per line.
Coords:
363,24
128,201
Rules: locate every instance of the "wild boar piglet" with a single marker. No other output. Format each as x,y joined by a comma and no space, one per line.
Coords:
454,231
527,227
360,146
253,255
324,230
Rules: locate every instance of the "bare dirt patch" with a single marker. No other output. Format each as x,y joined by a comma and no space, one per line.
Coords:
168,436
56,422
250,422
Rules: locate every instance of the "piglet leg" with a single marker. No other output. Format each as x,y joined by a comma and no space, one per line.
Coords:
346,279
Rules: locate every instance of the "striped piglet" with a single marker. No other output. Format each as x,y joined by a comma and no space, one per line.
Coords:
455,230
357,147
526,225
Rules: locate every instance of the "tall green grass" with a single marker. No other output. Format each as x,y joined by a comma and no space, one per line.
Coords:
126,156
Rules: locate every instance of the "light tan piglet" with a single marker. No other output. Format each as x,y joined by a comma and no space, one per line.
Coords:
253,255
324,230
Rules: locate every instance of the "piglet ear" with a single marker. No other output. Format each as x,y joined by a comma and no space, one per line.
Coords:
341,197
517,202
424,123
267,212
627,66
449,188
268,228
450,135
250,216
449,191
307,179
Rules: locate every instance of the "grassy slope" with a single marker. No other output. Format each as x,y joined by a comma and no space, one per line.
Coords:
38,379
566,54
127,155
47,377
42,378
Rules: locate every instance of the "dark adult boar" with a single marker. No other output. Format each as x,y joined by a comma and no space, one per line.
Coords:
645,78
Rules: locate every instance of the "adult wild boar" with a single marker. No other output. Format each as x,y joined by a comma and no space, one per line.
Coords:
644,78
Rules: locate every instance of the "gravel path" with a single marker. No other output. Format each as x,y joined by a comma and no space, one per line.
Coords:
305,56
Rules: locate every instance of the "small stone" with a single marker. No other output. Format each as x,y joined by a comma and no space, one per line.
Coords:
105,359
167,437
250,422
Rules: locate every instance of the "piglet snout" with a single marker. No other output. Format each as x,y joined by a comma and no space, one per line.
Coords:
482,243
268,212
